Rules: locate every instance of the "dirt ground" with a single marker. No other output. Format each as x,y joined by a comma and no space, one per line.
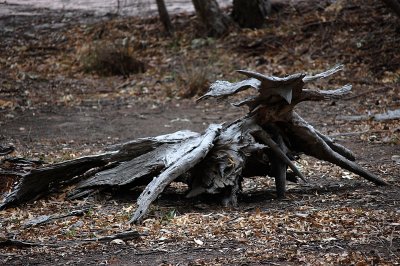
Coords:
51,110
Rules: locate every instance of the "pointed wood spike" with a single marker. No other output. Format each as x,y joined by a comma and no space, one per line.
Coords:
225,88
286,93
337,147
324,74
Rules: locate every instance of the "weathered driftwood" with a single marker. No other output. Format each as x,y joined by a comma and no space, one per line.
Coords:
178,160
43,219
264,142
41,181
389,115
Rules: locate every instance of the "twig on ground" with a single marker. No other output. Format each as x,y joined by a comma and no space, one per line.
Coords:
128,235
45,218
21,243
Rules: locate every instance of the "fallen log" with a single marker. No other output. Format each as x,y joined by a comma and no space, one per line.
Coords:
264,142
41,181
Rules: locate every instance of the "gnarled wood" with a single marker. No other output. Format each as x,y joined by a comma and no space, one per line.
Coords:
40,182
185,156
264,142
279,151
306,139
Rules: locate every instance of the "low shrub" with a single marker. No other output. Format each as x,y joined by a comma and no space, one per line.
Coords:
107,59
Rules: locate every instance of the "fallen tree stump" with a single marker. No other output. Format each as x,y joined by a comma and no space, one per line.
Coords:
264,142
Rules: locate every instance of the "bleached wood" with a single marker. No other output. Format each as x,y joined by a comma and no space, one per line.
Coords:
222,89
270,137
324,74
193,151
40,182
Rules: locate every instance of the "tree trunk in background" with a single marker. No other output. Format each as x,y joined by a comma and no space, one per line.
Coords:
250,14
164,17
211,16
394,5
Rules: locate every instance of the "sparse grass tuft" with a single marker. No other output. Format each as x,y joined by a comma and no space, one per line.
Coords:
193,80
107,59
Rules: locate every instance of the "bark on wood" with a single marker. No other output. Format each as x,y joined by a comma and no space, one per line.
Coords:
306,139
178,161
211,17
250,14
164,16
394,5
44,180
225,163
38,182
264,142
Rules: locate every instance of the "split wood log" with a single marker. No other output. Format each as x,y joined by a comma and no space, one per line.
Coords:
40,182
178,161
264,142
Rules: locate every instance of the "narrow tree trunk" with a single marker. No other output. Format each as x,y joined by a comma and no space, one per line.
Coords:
250,14
211,16
164,16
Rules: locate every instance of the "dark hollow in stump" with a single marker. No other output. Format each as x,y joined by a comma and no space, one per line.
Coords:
264,142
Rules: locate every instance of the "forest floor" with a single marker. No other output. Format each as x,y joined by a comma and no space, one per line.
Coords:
53,110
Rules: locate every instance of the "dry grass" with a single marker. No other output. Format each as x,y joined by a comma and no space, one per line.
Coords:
107,59
193,80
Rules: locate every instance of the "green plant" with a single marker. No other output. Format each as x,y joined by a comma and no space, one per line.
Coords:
70,233
169,216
